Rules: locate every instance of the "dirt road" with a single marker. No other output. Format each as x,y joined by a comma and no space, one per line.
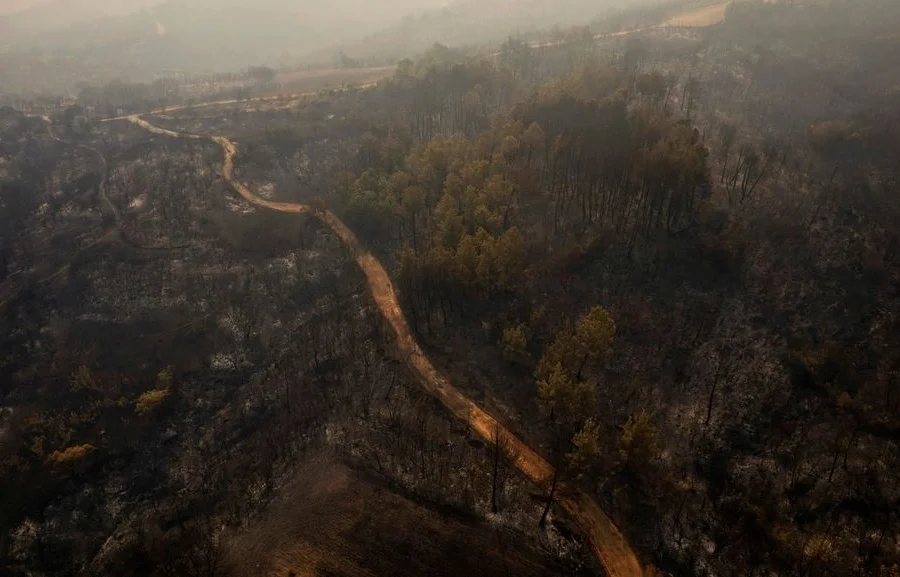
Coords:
609,546
213,103
691,18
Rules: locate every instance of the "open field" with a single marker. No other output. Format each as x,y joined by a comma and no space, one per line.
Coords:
700,17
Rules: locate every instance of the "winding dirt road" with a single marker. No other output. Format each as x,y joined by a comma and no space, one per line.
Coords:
609,546
692,18
245,101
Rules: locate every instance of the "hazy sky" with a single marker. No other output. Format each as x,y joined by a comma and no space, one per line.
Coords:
37,16
9,6
94,7
227,35
124,6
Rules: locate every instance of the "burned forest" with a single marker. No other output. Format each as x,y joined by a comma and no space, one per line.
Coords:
498,289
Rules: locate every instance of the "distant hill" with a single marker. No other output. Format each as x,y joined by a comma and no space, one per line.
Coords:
478,21
137,39
23,19
56,44
59,22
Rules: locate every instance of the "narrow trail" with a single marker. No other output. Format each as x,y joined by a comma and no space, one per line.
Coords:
608,544
101,188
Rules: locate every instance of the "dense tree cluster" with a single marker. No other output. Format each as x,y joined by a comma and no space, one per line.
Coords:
558,170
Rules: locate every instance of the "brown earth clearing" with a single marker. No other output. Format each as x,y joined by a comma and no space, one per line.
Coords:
700,17
334,520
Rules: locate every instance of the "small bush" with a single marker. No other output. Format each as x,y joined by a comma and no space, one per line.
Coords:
515,340
71,454
150,401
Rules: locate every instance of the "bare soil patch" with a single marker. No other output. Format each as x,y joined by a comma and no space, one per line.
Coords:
337,521
700,17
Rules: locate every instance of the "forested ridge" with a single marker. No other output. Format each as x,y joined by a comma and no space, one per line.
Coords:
744,417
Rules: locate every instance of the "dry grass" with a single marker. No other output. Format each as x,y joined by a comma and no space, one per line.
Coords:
150,400
700,17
